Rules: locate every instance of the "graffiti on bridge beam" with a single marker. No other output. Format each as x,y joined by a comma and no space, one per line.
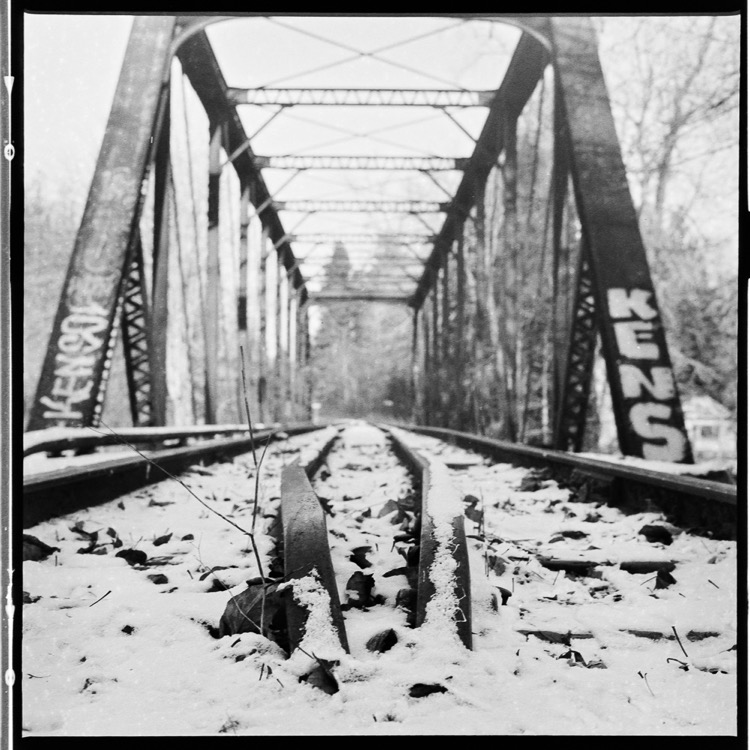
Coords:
647,386
83,333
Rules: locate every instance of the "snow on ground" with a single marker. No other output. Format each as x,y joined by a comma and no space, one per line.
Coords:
141,660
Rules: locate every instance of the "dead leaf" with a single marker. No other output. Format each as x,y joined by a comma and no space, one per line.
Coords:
133,556
421,690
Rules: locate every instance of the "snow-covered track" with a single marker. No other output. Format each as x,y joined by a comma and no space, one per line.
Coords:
689,501
144,593
59,491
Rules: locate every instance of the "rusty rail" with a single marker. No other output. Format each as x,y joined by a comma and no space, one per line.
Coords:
687,501
428,545
306,550
60,491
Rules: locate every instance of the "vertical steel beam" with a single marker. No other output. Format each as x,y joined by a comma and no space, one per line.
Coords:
560,172
136,329
71,384
308,370
445,319
160,283
278,365
646,403
427,370
570,427
435,373
248,354
460,327
414,373
291,336
213,278
263,414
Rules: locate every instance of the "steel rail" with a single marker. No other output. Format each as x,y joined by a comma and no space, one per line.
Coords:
306,551
85,438
691,501
428,545
60,491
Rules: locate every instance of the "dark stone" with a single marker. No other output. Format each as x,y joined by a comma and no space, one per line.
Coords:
158,578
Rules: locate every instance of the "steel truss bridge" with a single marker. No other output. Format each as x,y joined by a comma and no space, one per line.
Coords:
118,283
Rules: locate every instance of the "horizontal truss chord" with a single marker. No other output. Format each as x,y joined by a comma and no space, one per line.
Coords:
288,97
363,239
407,207
417,163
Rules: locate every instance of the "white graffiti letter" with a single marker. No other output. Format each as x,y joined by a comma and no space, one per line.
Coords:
635,339
660,386
672,442
624,304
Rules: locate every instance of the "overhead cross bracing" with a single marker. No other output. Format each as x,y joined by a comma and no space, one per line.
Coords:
408,207
422,163
361,97
503,212
359,239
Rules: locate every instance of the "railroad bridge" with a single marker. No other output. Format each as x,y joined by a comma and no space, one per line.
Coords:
149,249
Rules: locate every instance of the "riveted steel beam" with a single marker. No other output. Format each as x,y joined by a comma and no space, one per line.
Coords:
71,386
406,207
360,97
647,408
324,296
524,71
363,239
419,163
202,69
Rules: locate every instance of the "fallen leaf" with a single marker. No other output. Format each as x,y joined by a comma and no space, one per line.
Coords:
383,641
35,549
133,556
421,690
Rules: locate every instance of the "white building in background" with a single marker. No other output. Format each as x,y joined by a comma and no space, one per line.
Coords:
711,428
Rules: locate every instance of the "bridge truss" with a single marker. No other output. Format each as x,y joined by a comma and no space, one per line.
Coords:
130,236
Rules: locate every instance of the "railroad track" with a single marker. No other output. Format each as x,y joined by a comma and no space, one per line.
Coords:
379,544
